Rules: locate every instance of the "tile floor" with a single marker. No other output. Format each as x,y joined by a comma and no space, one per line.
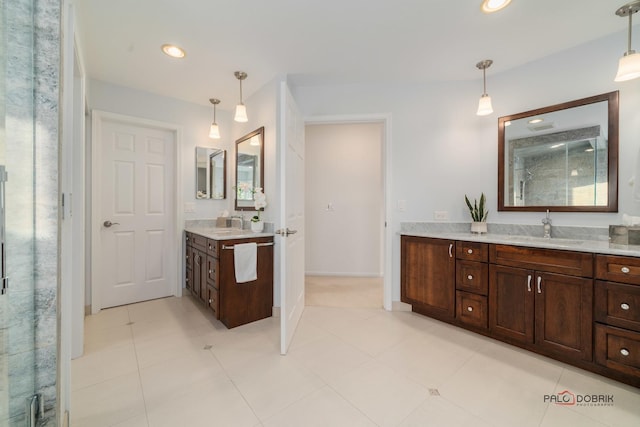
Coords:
167,363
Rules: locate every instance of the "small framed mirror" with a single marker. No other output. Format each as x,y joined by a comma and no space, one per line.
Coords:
211,173
249,168
563,157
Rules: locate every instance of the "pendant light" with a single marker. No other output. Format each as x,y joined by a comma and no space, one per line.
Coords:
484,106
214,130
241,109
629,64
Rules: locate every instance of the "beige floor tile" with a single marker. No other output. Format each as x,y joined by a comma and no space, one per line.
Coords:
173,378
380,393
625,410
208,403
559,416
271,383
139,421
107,403
103,365
107,318
497,372
103,338
438,412
322,408
332,291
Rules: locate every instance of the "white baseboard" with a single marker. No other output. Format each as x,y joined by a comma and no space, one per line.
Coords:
275,311
400,306
338,274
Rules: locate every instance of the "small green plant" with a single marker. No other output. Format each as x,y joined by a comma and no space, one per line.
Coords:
477,211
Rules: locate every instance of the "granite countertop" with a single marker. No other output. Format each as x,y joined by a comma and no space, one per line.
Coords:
217,233
579,245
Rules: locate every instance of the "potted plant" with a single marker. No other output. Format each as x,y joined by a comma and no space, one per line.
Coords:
478,214
260,201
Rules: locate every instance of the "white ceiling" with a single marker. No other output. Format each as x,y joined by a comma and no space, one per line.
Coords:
324,41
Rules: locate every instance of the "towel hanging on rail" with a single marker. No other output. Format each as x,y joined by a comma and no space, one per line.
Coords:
245,260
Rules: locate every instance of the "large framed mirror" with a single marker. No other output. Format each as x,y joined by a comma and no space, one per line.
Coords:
249,168
211,173
563,157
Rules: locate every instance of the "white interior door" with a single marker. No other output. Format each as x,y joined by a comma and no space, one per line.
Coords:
135,216
291,217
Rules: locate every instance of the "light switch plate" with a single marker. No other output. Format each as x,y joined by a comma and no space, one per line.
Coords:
402,205
189,207
440,215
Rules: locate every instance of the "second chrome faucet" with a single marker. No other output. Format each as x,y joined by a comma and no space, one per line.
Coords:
547,226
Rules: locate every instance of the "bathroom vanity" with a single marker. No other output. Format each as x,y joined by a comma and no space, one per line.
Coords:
210,274
574,301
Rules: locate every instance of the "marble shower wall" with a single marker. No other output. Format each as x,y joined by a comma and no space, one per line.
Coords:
31,154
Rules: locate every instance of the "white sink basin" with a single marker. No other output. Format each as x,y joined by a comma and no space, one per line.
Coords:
545,240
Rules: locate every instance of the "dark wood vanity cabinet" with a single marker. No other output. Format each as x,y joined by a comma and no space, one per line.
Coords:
534,303
472,284
210,276
427,276
617,313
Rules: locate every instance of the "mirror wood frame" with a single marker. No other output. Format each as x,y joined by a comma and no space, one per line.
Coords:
258,132
612,172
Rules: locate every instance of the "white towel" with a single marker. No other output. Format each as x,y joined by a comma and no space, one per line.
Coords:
245,261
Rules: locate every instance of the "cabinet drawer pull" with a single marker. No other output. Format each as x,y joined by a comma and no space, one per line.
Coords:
529,283
210,271
187,257
450,249
625,306
210,247
625,352
469,251
625,270
186,280
539,284
469,308
470,277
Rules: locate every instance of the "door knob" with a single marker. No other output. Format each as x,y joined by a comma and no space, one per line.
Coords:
109,223
284,232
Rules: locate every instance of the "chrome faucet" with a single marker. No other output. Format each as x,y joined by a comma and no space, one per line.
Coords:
239,217
547,226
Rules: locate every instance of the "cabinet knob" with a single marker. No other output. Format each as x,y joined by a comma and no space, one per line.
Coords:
470,277
187,238
469,308
625,306
210,271
210,247
469,251
210,301
186,280
624,352
187,257
625,270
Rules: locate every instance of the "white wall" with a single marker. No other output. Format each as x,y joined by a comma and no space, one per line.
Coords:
344,199
194,120
441,150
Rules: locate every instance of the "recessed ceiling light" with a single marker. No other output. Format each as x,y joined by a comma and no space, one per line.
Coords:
173,51
534,121
490,6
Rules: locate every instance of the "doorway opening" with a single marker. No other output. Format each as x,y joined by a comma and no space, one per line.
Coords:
345,214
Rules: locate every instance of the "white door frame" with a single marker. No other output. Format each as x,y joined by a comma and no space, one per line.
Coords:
385,120
175,268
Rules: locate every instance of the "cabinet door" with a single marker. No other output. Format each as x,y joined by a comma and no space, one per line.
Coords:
199,273
428,275
511,303
564,315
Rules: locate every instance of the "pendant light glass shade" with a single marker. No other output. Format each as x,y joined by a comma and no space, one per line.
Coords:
241,109
484,106
629,64
628,67
241,113
214,130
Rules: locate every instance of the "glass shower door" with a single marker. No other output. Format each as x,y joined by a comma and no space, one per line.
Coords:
17,207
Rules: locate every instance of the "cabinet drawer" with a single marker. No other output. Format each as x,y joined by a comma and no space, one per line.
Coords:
213,300
212,271
199,241
471,309
472,251
618,269
472,276
618,305
551,260
212,247
618,349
